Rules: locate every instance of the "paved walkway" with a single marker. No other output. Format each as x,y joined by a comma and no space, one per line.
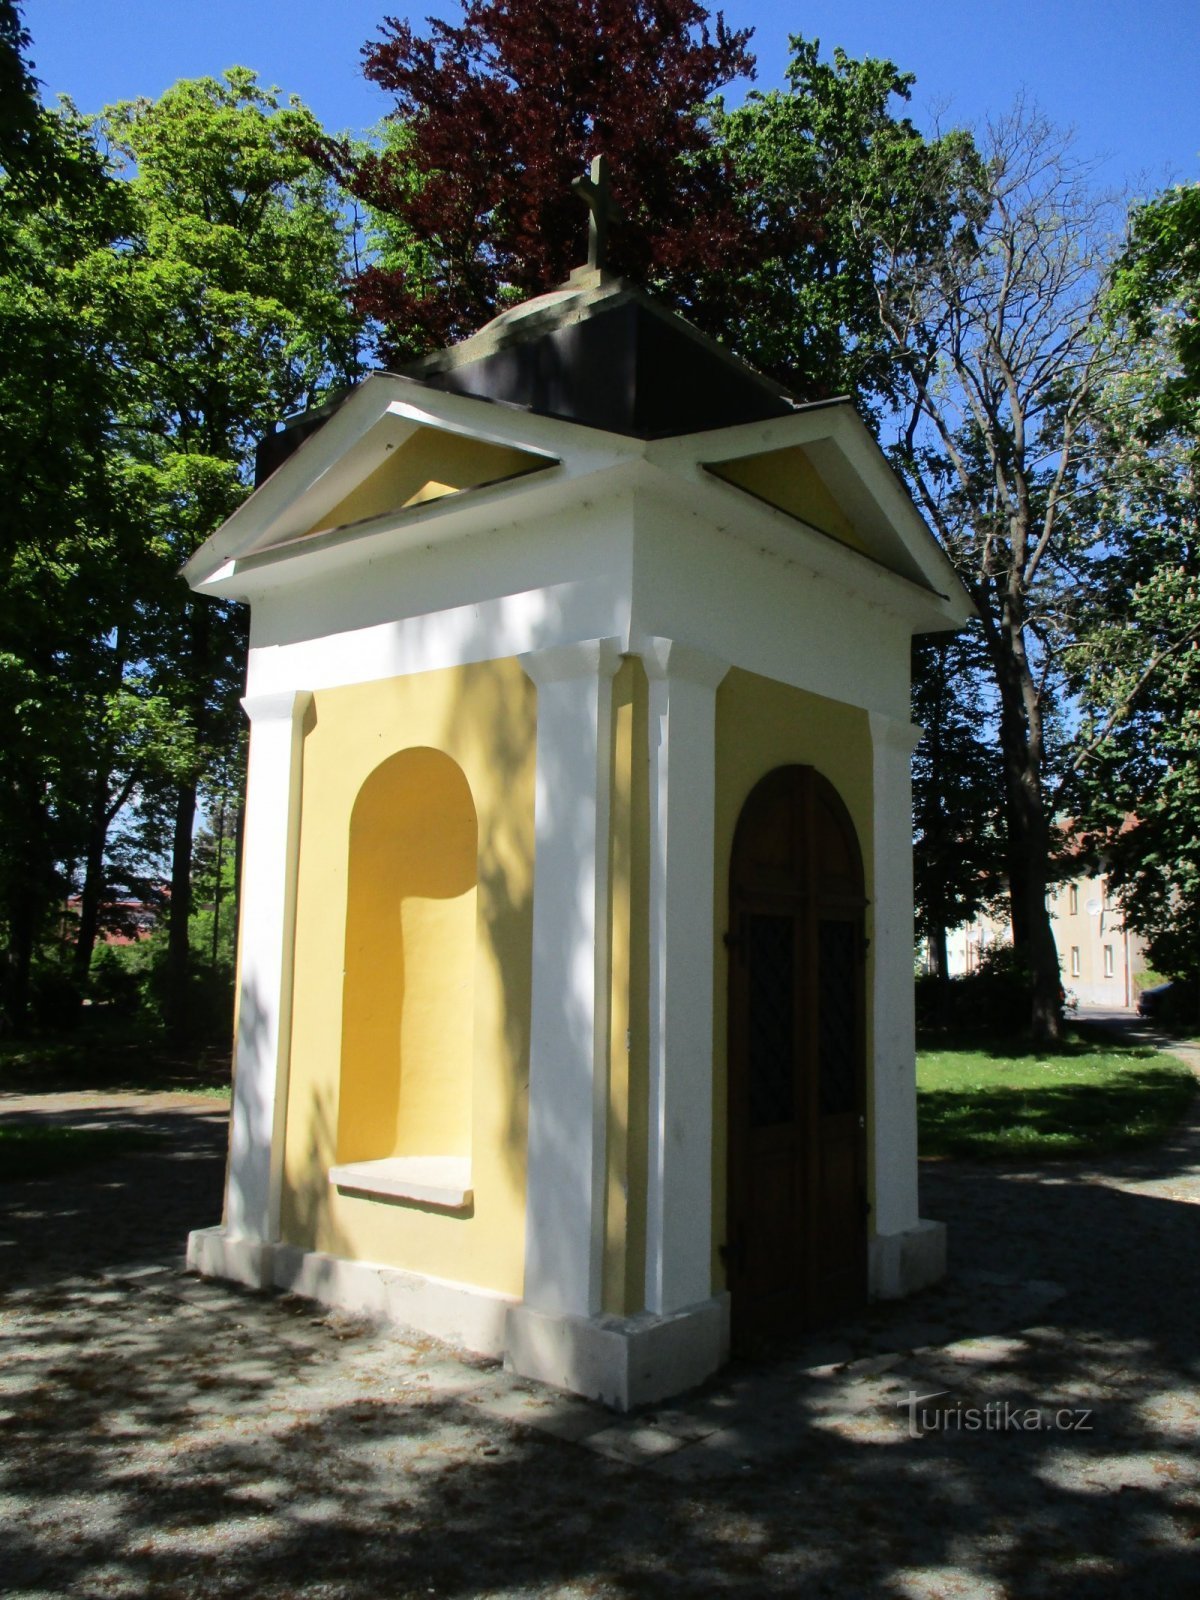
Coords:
160,1436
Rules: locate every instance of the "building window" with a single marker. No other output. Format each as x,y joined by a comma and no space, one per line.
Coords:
1073,899
1108,961
1075,965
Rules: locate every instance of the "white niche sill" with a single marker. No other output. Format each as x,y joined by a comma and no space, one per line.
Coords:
441,1181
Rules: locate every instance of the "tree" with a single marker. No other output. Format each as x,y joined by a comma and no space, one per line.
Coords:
1136,665
833,149
44,157
1156,288
1002,359
21,130
64,546
234,316
470,223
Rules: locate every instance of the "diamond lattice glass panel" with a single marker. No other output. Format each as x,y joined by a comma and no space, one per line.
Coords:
835,1000
770,955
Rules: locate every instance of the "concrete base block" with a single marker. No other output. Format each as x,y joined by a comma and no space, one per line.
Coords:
212,1253
901,1263
456,1312
621,1361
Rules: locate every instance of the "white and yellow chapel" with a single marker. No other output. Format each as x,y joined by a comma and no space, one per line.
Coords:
575,1014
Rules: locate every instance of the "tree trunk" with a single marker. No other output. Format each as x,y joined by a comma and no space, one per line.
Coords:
939,956
939,970
33,889
239,840
178,951
219,865
93,886
22,919
199,675
1029,864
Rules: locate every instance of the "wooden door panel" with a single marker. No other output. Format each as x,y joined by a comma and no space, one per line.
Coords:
770,1053
771,1258
797,1153
838,958
839,1252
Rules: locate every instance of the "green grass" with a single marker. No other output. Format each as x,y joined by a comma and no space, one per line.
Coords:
1091,1098
36,1151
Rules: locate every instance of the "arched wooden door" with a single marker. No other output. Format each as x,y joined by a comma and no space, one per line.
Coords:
796,1246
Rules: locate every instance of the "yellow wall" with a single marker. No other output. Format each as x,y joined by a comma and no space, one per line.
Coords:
761,725
451,754
629,1064
369,919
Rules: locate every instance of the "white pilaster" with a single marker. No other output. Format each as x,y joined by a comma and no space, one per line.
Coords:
270,852
682,727
568,1056
894,1104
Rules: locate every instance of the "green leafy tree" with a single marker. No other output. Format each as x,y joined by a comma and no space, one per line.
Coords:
1156,289
65,549
1137,662
231,288
835,148
22,136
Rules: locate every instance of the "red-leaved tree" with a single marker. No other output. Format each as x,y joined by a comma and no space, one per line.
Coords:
470,196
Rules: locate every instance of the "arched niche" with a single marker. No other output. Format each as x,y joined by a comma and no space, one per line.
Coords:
408,990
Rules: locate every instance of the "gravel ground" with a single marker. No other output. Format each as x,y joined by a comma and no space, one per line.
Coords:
167,1437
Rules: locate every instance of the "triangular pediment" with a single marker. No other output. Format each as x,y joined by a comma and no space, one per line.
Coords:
789,480
390,460
421,464
821,487
816,474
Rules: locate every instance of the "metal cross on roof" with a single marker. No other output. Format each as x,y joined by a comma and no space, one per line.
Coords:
603,209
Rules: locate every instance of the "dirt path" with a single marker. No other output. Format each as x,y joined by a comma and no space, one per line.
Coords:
165,1437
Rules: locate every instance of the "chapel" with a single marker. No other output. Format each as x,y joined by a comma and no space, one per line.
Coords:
575,996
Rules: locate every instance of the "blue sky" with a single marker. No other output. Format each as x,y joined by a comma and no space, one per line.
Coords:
1125,76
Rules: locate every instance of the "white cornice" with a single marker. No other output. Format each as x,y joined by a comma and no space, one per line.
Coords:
265,544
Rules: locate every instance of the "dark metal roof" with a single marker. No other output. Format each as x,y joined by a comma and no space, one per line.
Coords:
604,354
599,352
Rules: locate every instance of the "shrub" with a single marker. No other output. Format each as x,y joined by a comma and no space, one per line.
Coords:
995,999
114,980
54,997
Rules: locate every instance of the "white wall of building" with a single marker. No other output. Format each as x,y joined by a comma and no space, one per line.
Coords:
1100,959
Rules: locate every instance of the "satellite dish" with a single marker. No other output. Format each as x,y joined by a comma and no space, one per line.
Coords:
1094,908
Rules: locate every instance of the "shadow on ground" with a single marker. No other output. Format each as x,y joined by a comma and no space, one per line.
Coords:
165,1437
